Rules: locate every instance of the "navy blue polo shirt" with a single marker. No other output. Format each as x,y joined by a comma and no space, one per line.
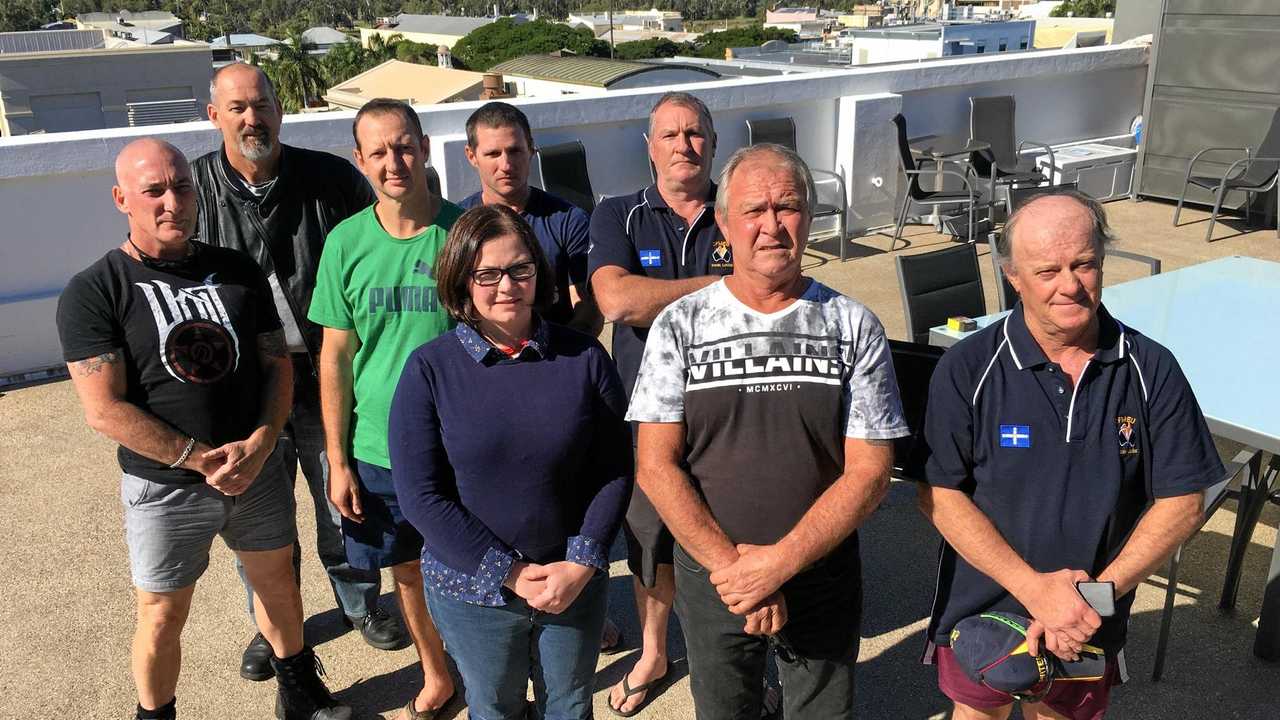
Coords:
1063,473
563,231
641,234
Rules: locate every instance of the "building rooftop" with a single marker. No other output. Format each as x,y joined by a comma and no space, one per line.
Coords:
51,41
437,24
134,17
242,40
415,84
325,36
596,72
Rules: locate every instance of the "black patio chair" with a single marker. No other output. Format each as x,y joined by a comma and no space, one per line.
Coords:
1006,296
991,120
782,131
938,285
914,193
1251,174
563,169
913,364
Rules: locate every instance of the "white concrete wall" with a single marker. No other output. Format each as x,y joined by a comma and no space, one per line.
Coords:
58,217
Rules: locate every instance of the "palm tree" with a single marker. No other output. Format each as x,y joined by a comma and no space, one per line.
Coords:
345,61
296,73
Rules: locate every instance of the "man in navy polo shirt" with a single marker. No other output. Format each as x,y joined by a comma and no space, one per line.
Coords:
499,147
648,249
1065,447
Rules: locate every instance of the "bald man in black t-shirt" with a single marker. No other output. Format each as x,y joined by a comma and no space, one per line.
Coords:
177,354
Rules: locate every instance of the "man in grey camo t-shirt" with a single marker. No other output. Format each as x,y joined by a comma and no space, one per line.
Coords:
767,403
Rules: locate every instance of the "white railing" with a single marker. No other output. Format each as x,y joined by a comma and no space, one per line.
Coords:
56,214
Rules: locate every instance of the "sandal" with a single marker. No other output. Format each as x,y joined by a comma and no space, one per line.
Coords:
628,691
409,712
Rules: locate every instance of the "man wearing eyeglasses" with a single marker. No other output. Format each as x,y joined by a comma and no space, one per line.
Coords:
376,299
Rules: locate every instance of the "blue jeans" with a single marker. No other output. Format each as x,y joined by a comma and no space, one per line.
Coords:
302,443
498,649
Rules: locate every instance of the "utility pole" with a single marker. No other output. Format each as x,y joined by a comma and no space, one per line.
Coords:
610,29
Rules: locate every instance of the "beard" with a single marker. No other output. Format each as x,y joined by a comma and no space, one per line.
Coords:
255,146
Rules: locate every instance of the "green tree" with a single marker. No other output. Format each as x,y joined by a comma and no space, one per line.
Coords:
645,49
713,44
297,74
1084,8
500,41
344,62
20,15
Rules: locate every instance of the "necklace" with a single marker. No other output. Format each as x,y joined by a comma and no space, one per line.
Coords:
162,264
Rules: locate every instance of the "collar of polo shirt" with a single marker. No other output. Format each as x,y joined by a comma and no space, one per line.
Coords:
1027,353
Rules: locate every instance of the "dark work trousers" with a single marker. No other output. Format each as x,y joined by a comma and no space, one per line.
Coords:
302,443
817,649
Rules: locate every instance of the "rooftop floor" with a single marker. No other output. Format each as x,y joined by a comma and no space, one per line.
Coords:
68,615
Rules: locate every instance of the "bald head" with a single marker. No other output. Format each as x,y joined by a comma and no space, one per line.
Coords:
244,107
145,153
154,189
1055,213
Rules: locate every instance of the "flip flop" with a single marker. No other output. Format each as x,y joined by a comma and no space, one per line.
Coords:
409,712
628,691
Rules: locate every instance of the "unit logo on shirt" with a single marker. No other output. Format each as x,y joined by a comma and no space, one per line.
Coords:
765,363
198,343
1015,436
721,255
651,258
1126,426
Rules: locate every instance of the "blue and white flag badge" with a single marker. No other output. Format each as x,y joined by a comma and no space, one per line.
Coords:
1015,436
650,258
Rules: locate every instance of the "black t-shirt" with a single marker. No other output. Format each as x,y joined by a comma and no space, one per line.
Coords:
189,339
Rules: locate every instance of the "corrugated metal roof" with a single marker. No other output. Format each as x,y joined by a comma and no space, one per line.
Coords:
243,40
51,41
439,24
596,72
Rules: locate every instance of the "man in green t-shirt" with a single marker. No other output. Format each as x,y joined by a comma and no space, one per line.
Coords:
375,297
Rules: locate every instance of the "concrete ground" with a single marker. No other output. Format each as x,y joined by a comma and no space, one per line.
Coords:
67,614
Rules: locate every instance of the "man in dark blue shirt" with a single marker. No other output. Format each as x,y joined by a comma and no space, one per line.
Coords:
500,146
1065,448
648,249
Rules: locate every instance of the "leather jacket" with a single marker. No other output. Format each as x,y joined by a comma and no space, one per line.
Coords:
285,229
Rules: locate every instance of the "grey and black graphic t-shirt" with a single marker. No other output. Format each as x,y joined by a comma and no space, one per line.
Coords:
767,399
189,338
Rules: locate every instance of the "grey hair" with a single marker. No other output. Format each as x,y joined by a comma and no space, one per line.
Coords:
213,81
685,100
1100,230
792,162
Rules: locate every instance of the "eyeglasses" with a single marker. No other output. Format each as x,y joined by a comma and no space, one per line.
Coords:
492,276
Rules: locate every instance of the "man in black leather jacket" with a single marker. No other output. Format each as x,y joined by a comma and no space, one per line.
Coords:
277,203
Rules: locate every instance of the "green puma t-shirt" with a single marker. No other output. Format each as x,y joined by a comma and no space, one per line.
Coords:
384,289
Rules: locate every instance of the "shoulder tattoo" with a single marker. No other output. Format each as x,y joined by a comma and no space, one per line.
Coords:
272,344
94,365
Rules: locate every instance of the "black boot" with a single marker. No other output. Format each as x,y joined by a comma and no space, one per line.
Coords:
301,694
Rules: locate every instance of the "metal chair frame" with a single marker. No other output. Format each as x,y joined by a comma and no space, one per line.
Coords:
787,128
914,193
1220,192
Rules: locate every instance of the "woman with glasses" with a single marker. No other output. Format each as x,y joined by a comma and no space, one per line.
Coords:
510,455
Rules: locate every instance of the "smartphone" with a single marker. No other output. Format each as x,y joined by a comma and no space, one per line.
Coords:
1101,596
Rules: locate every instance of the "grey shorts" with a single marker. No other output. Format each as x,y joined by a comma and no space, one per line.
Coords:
170,528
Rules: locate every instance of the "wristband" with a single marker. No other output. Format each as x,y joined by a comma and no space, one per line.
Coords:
186,453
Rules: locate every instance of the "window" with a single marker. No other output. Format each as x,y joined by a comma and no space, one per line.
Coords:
1004,44
956,48
1022,44
982,47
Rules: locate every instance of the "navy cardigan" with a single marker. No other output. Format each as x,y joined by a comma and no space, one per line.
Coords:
497,459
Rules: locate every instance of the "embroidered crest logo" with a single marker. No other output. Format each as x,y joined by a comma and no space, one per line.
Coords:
721,254
1127,427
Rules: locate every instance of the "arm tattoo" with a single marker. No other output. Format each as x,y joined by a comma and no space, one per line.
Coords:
271,344
94,365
